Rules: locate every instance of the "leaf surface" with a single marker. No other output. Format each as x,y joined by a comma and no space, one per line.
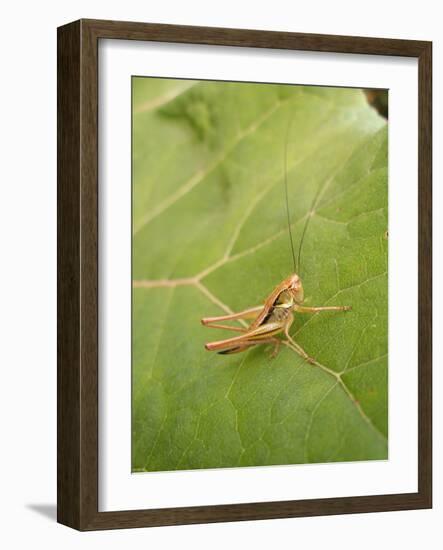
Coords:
210,236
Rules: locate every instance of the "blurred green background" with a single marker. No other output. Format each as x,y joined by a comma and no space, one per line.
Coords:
210,235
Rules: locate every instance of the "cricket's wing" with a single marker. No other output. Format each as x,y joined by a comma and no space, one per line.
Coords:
269,303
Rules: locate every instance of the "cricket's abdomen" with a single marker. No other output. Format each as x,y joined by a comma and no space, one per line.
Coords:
277,315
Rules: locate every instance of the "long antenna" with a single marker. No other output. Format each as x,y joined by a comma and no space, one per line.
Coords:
286,194
309,216
297,264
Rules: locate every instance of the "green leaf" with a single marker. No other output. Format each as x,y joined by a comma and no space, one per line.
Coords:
210,235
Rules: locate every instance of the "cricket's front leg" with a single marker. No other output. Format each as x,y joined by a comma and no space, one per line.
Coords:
307,309
296,347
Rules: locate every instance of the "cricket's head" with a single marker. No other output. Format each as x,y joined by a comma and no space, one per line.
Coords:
295,288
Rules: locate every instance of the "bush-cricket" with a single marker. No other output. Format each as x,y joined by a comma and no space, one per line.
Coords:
277,314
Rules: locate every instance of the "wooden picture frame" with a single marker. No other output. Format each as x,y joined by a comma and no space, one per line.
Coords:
78,273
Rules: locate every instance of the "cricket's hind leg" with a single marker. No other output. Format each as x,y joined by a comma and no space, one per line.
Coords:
226,327
212,322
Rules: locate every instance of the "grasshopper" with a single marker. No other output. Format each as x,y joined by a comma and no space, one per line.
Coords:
274,317
277,314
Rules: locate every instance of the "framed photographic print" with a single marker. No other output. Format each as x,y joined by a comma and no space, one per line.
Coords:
244,274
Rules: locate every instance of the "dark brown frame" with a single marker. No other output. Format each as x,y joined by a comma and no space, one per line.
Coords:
77,456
